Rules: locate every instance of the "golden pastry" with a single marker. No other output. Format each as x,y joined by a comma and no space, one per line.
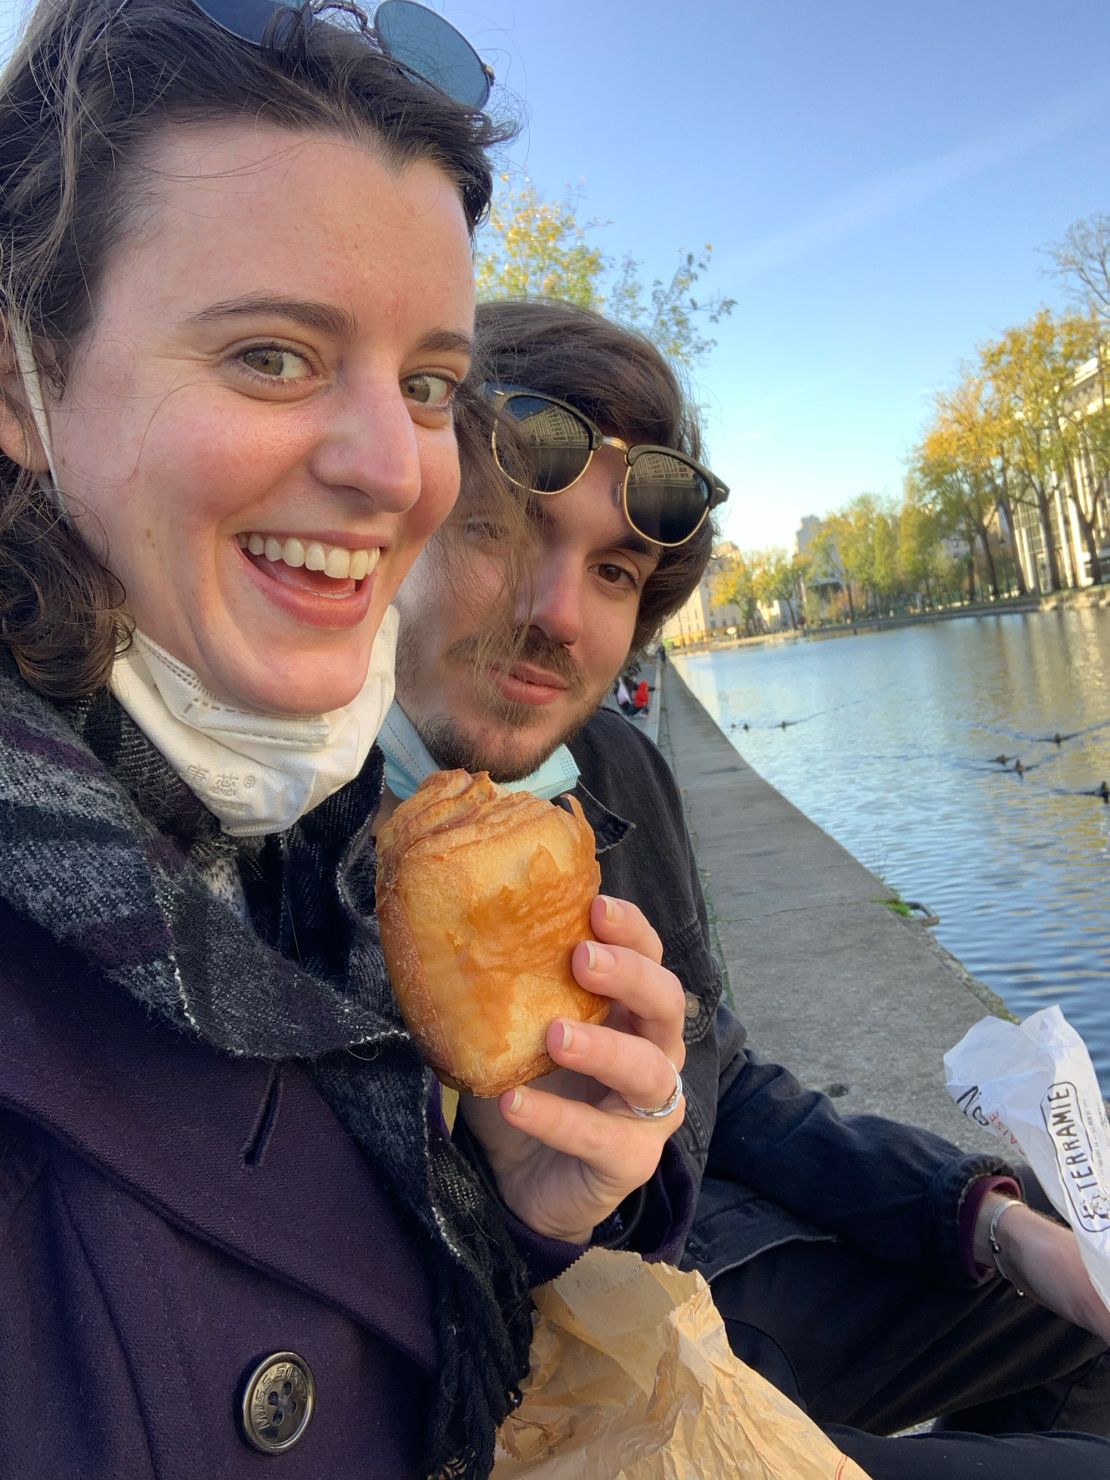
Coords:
482,895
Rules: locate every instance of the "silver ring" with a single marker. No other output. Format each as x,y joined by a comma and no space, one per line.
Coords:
669,1105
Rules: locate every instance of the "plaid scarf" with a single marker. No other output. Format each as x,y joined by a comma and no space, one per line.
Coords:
107,849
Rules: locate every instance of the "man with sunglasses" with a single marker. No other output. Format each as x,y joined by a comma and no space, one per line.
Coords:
828,1241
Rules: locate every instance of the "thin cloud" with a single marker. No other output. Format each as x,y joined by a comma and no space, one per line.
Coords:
897,190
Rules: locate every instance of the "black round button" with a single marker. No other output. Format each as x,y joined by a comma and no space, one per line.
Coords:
278,1401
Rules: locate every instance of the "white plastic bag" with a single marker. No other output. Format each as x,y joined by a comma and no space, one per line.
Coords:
1034,1085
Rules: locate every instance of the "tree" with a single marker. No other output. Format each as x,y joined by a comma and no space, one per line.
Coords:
827,559
778,577
884,553
920,539
1083,260
669,315
735,585
1033,370
1094,434
852,536
959,464
534,246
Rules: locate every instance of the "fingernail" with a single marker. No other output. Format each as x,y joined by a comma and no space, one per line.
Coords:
516,1102
613,911
599,959
568,1036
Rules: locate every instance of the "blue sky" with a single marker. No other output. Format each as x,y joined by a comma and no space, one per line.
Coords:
876,180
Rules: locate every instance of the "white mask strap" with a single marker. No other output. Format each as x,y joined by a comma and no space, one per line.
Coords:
36,404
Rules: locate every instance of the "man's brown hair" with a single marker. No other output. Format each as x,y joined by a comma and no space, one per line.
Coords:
618,379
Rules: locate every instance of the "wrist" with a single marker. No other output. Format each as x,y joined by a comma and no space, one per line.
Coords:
976,1261
990,1229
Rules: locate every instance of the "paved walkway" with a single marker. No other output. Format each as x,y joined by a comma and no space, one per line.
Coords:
853,998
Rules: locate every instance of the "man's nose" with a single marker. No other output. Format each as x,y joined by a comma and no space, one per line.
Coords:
369,443
552,602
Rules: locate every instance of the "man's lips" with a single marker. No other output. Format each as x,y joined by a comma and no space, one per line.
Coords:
525,684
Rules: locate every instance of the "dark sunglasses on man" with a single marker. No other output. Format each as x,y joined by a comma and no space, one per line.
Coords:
666,495
413,36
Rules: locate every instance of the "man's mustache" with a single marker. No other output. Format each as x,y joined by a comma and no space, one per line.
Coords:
527,646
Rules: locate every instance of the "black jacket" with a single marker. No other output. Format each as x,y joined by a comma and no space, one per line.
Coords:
776,1161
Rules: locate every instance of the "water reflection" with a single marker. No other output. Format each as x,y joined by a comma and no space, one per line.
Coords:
891,743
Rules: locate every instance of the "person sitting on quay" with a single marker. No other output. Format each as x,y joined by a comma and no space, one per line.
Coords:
236,315
851,1257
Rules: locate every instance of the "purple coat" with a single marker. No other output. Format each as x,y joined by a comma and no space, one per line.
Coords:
168,1218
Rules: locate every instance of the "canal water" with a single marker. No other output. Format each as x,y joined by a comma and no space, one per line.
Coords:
902,745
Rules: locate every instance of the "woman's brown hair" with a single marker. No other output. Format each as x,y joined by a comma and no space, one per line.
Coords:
82,102
620,381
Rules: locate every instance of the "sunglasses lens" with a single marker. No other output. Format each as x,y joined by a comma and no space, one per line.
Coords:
431,48
247,19
551,444
667,498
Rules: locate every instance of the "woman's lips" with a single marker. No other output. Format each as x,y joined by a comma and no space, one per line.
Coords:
300,578
309,596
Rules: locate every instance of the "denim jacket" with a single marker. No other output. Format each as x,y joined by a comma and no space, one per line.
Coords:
775,1161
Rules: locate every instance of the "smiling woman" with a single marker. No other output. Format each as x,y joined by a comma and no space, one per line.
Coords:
235,415
236,310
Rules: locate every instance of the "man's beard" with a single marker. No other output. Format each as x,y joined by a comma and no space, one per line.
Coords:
454,749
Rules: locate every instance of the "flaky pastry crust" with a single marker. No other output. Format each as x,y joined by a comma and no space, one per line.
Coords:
482,895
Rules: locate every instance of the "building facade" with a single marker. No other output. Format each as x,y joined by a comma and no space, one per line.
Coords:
1033,533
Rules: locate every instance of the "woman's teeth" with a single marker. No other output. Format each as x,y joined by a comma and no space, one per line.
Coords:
333,560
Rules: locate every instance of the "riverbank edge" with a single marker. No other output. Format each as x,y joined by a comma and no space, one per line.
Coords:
852,997
1087,598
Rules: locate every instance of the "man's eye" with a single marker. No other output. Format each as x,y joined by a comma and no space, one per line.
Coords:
276,363
435,391
485,531
616,575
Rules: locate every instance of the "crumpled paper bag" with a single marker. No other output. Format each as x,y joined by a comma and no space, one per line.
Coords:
632,1378
1034,1085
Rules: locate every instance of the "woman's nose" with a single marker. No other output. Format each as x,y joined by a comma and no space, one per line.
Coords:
370,444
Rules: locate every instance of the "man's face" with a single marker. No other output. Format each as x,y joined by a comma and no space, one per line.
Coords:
577,610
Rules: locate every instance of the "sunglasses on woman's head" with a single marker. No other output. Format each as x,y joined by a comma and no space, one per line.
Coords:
666,495
418,39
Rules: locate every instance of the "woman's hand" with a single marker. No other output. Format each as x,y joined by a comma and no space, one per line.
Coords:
566,1150
1042,1258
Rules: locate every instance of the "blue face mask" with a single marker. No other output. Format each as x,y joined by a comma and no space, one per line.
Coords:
408,761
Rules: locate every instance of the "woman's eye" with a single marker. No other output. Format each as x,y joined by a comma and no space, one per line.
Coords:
276,363
434,391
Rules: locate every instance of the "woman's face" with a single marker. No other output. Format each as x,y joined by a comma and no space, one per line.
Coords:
266,389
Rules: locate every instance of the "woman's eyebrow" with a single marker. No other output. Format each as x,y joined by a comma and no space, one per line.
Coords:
448,341
325,318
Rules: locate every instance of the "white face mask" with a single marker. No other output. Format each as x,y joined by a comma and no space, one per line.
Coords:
258,773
